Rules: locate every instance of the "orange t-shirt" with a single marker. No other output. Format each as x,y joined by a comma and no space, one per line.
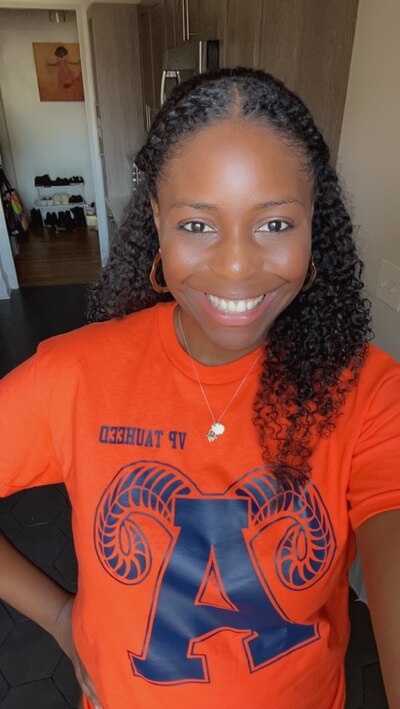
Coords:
200,584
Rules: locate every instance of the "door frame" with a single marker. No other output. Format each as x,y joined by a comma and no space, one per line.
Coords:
80,7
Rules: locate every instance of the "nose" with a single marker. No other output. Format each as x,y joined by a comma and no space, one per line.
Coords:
235,258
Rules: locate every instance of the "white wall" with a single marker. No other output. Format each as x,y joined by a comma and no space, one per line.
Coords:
45,137
369,151
80,7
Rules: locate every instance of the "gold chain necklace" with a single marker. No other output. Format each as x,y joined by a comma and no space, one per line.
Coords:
217,428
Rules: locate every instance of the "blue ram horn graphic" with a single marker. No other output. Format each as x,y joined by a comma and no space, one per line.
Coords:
142,488
303,555
308,545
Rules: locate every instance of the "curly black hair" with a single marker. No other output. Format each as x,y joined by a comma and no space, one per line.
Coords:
316,347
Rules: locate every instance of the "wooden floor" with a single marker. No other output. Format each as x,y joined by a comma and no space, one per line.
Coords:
50,258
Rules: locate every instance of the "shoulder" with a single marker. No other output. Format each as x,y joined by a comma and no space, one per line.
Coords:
375,394
107,341
381,360
375,410
378,369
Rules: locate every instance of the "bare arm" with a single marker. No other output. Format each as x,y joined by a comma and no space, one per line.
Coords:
37,596
28,589
378,540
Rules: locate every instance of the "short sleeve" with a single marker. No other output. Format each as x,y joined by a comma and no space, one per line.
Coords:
375,476
27,456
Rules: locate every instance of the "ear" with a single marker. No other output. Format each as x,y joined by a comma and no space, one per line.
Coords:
156,212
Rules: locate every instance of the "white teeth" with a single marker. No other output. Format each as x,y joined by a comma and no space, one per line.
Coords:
234,306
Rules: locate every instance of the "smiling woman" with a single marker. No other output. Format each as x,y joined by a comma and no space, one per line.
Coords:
235,248
213,562
233,153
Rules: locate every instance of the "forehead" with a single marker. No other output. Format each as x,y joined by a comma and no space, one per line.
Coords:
235,155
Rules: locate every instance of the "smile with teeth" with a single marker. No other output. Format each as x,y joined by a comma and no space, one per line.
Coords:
234,306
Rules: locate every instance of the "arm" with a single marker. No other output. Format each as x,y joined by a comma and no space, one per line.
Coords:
28,589
378,540
37,596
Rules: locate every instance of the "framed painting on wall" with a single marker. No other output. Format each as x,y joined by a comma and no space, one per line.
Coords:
58,71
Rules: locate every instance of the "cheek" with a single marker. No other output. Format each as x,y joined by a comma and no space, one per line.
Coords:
177,260
180,251
290,260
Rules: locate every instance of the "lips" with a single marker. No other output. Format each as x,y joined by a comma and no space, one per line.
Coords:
225,305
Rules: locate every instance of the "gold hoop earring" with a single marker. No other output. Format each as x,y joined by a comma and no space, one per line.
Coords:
311,278
153,274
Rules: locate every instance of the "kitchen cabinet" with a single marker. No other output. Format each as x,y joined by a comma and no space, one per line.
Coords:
173,22
114,35
240,32
308,44
152,45
160,25
207,20
190,20
305,43
146,64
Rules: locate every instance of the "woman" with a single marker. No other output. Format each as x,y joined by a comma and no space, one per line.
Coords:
220,447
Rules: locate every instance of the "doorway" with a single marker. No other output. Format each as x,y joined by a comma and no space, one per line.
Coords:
45,155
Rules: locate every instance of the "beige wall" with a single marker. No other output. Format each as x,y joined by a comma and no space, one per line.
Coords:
369,152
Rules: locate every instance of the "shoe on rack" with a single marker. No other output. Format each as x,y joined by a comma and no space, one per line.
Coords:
69,221
61,221
54,220
79,216
43,181
57,198
36,218
61,181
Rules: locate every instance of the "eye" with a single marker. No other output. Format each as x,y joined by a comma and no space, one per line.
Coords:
275,225
196,227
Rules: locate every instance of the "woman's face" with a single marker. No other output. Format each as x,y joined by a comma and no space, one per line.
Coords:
233,213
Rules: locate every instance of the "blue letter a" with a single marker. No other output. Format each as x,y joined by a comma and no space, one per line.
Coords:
212,526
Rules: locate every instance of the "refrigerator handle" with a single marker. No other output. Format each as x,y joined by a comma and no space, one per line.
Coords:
168,74
148,117
184,20
187,21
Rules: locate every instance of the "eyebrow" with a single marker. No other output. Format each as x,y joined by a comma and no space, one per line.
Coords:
279,202
261,205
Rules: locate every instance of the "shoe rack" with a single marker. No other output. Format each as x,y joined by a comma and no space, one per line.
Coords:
60,196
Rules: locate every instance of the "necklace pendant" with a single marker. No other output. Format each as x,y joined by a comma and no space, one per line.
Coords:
216,429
